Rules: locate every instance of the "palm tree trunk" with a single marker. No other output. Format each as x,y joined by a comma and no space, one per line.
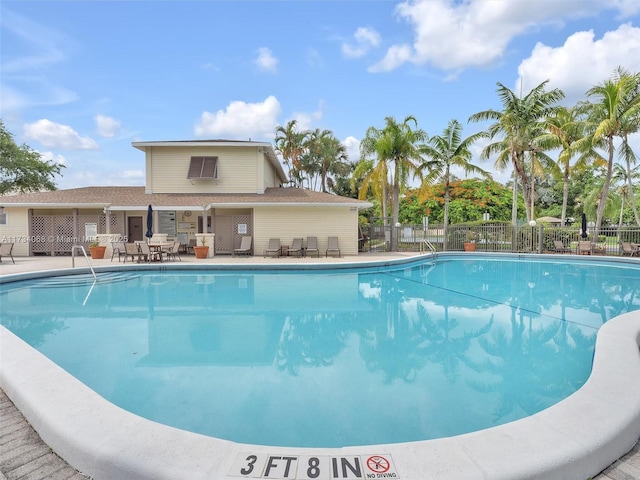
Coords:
632,197
396,214
446,213
605,189
565,197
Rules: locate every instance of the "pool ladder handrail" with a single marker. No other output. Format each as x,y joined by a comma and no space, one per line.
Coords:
427,245
84,252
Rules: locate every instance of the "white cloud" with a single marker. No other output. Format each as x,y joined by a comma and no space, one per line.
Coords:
55,135
582,62
53,158
626,8
106,126
305,120
241,120
266,61
365,38
453,35
352,144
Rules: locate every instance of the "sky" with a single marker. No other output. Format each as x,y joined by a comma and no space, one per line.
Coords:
81,80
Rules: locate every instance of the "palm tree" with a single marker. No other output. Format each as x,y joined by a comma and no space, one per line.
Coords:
566,132
519,124
397,144
290,145
325,156
446,151
613,114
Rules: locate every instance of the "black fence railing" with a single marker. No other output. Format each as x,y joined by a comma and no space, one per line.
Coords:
540,238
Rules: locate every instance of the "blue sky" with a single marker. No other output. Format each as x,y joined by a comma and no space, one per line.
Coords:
81,80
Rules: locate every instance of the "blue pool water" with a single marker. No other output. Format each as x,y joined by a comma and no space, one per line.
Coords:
332,358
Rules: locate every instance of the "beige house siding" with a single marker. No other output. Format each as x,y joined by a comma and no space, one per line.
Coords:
288,222
238,170
16,230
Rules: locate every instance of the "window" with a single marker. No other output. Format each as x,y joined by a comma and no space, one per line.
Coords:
203,167
3,217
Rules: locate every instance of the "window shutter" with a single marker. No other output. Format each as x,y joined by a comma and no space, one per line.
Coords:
210,167
203,167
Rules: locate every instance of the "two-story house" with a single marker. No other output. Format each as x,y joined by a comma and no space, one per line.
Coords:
223,187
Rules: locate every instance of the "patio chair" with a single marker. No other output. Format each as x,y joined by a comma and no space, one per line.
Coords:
118,248
584,247
296,247
628,249
312,246
244,248
560,248
332,247
5,251
273,248
173,252
131,250
147,254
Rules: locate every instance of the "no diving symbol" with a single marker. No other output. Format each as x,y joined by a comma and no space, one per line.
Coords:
378,464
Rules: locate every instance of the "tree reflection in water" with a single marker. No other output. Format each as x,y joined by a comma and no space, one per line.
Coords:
311,340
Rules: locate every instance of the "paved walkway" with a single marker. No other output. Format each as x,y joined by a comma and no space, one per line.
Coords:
24,456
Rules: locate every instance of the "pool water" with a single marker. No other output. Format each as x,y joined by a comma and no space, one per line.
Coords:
332,358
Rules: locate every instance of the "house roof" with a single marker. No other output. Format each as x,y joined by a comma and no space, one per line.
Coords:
135,198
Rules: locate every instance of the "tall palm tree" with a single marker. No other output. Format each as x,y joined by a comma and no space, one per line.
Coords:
325,156
397,144
613,113
290,144
631,124
446,151
518,124
564,131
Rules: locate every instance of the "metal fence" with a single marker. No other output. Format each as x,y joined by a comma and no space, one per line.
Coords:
540,238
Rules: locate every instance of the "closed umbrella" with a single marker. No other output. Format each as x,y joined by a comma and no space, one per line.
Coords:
584,226
149,233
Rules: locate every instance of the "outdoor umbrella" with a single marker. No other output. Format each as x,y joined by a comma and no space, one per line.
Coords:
584,225
149,233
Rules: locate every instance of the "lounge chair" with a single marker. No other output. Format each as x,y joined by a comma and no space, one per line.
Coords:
332,247
584,247
296,247
173,252
118,248
628,249
273,248
244,248
312,246
5,251
560,248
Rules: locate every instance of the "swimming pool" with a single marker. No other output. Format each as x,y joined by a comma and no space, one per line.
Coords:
533,321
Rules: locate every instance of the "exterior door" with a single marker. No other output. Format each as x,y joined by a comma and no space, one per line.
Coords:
135,229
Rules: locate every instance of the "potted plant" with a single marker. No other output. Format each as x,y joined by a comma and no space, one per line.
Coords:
202,250
470,241
96,250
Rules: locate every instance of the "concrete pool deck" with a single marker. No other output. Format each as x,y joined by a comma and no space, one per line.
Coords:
574,439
